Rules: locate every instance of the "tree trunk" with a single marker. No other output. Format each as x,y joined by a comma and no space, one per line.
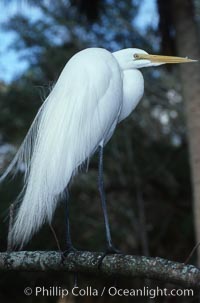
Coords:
187,44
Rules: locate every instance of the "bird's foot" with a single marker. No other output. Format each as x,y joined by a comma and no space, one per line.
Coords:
110,250
65,253
69,250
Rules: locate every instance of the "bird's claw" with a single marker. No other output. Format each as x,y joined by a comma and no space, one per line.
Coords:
69,250
110,250
65,253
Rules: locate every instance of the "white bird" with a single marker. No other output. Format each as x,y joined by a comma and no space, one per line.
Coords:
95,91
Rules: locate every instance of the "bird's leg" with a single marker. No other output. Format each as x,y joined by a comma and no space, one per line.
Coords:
69,246
109,246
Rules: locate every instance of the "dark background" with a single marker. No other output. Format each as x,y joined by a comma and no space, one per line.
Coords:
147,174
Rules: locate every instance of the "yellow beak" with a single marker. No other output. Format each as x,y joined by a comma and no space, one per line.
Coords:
163,59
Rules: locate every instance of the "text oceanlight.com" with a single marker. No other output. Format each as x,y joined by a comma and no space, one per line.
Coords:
57,291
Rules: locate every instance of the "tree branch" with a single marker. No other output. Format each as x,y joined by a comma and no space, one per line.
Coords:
87,262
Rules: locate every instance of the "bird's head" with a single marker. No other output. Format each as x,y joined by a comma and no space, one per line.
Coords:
133,58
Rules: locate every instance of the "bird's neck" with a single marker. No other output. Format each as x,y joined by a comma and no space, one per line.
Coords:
133,89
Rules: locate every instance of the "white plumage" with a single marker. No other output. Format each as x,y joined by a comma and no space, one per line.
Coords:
95,91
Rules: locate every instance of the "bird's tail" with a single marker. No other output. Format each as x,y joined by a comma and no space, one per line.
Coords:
51,156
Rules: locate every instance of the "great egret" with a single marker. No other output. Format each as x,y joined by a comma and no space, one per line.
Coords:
95,91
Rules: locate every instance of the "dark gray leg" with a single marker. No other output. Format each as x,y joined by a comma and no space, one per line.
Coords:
103,199
69,246
109,245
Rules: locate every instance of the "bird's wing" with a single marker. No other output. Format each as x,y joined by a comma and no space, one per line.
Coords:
93,102
75,118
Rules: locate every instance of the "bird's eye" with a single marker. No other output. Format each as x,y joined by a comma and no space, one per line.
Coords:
136,56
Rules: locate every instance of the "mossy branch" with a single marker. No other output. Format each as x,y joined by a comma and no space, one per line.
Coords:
87,262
